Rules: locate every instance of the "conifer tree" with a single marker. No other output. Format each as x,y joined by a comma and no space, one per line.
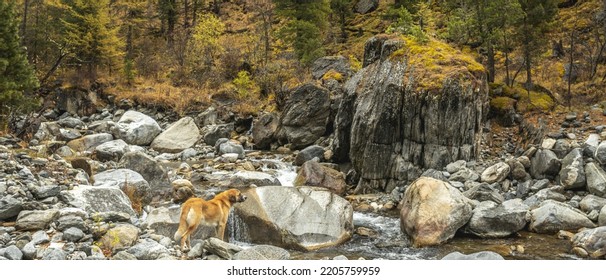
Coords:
16,76
90,34
308,20
531,27
343,9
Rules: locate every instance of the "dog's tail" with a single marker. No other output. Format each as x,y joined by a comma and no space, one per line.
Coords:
182,222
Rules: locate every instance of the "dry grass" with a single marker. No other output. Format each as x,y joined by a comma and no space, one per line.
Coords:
134,197
162,94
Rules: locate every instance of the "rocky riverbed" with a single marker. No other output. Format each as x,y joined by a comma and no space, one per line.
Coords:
103,187
373,166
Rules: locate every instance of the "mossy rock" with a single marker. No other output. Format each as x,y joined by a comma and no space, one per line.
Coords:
535,102
502,104
332,75
435,61
502,110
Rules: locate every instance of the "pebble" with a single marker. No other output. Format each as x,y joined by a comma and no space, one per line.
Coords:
73,234
520,249
580,252
40,237
11,253
562,234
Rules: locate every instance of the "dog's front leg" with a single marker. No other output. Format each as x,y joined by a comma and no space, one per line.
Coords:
220,231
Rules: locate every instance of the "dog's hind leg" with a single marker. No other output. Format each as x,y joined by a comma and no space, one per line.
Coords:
186,239
183,223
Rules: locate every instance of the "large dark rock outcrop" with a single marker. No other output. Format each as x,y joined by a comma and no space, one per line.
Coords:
305,117
409,108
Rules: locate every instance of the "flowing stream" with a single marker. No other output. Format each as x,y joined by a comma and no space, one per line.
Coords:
386,240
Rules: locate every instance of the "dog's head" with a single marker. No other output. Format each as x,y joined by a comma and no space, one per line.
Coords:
235,196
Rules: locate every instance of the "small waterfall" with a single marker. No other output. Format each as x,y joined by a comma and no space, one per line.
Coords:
237,230
284,172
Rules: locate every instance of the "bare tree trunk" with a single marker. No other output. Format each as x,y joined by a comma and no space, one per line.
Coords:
194,12
217,6
50,72
186,14
24,22
515,75
343,32
528,64
491,70
507,77
570,68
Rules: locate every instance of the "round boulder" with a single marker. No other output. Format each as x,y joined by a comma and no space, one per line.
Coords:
136,128
308,154
432,211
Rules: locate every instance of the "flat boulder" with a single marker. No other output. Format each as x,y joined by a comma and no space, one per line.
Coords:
553,193
35,219
338,64
552,216
484,192
262,252
490,219
242,179
212,133
148,250
179,136
592,203
495,173
98,199
463,175
136,128
433,211
484,255
225,146
89,142
218,247
300,218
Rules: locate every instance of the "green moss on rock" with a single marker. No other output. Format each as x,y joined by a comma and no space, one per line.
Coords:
502,104
434,61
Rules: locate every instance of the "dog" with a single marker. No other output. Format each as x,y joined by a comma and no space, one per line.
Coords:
196,211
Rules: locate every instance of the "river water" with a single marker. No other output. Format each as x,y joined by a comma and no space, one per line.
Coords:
388,242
